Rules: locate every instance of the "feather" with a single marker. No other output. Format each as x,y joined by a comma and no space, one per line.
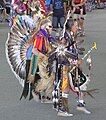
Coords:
70,55
43,6
17,44
90,92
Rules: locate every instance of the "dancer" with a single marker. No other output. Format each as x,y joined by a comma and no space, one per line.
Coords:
78,72
33,43
66,56
45,64
61,57
41,83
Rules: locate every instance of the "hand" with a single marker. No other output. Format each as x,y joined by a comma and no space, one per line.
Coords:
7,3
35,51
77,7
51,12
79,61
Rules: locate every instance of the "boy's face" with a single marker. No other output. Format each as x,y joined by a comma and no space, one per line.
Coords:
63,41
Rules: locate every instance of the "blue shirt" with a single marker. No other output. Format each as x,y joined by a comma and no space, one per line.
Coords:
9,1
58,7
7,5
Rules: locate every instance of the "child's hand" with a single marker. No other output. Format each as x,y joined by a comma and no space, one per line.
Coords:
7,3
77,7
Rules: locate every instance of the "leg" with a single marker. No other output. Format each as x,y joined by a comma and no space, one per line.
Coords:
64,110
77,23
81,12
7,14
62,20
4,15
55,22
55,26
81,24
81,106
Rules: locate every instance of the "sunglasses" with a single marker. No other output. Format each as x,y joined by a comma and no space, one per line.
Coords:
50,26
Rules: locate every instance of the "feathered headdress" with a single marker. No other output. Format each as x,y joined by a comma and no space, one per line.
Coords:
20,43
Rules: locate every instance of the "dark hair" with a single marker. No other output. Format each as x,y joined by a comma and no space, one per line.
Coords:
69,24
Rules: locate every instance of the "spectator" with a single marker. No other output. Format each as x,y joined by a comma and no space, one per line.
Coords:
2,3
1,9
77,16
99,5
59,10
80,7
6,4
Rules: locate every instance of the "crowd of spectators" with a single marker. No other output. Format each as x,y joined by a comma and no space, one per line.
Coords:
5,7
5,10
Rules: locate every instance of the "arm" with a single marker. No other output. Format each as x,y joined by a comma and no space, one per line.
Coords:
6,2
73,3
82,3
64,6
51,7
